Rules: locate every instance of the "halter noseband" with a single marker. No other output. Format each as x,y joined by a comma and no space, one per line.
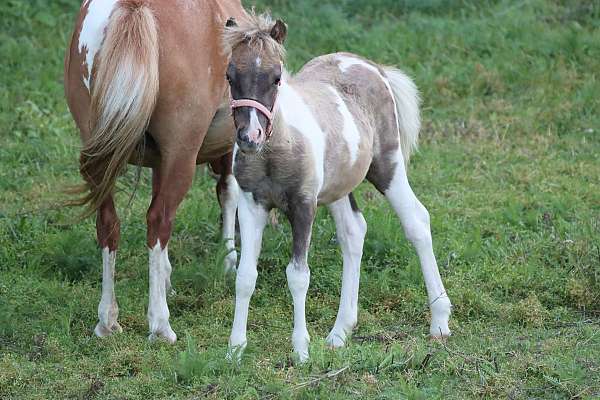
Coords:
269,114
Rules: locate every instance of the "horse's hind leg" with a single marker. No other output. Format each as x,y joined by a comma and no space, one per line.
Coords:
227,193
389,177
351,228
108,230
172,183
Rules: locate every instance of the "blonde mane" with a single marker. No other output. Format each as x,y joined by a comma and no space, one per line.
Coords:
254,30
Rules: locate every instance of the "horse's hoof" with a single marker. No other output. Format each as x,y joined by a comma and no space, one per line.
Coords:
336,339
230,263
166,334
104,331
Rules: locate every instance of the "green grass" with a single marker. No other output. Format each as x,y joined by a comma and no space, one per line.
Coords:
508,166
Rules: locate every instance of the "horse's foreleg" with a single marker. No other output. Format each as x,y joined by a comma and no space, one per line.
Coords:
108,231
170,185
253,219
301,216
351,228
227,193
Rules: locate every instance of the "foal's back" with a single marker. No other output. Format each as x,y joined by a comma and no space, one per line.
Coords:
353,103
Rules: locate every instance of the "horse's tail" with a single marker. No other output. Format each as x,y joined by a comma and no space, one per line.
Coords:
406,96
123,97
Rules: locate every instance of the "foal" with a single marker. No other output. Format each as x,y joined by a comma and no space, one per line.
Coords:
309,140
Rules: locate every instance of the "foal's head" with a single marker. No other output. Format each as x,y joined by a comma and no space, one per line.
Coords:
254,75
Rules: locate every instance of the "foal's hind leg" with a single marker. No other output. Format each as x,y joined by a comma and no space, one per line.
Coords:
107,228
351,228
227,193
415,221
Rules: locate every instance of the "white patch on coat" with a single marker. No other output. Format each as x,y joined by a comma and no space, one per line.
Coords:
158,310
298,277
297,114
349,129
108,310
415,222
346,62
92,32
351,229
229,207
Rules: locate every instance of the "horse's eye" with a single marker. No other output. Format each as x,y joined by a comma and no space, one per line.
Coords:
228,78
277,81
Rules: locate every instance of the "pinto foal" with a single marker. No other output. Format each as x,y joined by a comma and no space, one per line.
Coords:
309,140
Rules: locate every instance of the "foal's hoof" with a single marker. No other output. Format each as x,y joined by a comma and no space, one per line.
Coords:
230,262
104,331
336,339
166,334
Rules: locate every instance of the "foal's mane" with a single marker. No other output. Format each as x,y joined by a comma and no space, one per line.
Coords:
254,30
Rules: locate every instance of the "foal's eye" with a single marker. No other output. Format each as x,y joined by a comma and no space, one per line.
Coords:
277,81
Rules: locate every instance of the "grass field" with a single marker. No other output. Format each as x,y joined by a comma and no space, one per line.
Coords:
509,167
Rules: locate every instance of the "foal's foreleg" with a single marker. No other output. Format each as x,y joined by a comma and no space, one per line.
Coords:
415,221
351,228
108,230
301,216
253,219
227,193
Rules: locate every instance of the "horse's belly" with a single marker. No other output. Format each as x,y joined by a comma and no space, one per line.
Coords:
218,141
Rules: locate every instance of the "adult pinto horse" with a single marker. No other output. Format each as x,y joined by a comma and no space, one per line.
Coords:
144,80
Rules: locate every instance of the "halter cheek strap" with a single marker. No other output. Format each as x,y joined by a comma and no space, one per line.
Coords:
236,103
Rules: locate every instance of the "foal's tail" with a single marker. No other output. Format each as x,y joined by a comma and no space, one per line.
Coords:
123,96
407,100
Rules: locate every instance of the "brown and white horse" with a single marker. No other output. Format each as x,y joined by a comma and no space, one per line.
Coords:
144,80
339,120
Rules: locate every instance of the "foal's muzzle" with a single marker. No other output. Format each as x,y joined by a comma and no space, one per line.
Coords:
250,140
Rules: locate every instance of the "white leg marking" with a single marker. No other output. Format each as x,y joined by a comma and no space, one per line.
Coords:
296,113
415,221
108,310
298,277
349,129
230,204
158,310
168,269
253,219
351,229
92,32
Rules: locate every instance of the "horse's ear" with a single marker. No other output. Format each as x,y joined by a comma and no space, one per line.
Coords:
230,22
279,31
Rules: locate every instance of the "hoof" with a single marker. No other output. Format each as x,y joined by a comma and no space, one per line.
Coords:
166,334
336,339
104,331
234,353
230,263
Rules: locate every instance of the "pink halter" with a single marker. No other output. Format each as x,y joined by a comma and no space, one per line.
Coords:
236,103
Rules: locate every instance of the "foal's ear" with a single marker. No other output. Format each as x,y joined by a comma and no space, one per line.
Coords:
230,22
279,31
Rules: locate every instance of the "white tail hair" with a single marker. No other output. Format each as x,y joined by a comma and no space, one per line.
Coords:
406,96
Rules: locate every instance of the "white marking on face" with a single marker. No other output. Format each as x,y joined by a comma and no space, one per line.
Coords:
346,62
253,126
296,113
258,61
92,32
349,129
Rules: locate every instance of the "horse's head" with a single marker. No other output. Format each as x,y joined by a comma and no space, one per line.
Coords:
254,75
